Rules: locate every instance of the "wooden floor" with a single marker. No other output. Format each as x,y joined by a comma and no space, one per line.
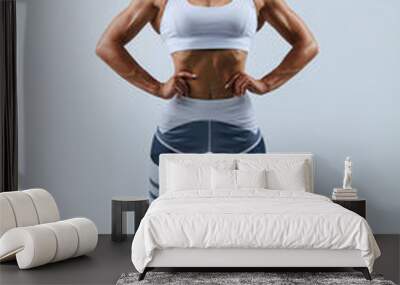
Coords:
110,260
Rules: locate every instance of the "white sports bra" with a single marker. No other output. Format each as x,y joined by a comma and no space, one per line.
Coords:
185,26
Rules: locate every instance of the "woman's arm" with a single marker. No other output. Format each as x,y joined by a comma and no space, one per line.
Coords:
304,48
123,28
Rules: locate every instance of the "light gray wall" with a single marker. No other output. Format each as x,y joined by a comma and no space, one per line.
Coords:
85,134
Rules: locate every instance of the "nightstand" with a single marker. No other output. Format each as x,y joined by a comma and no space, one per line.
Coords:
121,205
358,206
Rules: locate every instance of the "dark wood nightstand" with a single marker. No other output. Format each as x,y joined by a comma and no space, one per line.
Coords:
121,205
358,206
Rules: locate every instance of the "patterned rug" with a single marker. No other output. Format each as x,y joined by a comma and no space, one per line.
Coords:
253,278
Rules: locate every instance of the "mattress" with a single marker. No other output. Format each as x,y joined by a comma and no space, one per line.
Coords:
250,219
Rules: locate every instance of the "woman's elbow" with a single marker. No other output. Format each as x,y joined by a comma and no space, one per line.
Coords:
106,49
102,50
313,49
307,50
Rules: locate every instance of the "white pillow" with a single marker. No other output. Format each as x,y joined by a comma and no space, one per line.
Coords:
282,174
186,175
237,179
223,179
251,179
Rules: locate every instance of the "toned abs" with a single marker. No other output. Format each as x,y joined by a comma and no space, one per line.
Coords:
213,69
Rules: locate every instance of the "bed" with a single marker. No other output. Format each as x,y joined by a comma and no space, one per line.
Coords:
281,224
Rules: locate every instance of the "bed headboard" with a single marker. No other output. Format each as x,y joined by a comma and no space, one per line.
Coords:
165,158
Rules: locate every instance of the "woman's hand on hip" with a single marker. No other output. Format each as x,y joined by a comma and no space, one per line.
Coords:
240,82
176,85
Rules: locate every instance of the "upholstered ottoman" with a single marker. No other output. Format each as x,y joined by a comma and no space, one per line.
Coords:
31,230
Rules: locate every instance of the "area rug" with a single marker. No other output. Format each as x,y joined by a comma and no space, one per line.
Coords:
253,278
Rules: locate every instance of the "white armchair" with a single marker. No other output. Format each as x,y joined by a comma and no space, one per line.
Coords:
31,230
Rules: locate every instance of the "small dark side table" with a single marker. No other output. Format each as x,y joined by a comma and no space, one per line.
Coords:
120,206
358,206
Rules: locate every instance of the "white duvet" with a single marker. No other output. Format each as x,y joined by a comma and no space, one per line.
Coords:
251,218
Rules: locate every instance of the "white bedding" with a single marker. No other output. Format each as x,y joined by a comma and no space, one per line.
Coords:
250,218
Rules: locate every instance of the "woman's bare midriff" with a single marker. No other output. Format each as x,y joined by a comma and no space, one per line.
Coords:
213,69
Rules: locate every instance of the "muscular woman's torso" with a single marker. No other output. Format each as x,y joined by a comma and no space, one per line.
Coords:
213,69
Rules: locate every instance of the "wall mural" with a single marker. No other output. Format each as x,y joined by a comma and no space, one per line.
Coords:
209,108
